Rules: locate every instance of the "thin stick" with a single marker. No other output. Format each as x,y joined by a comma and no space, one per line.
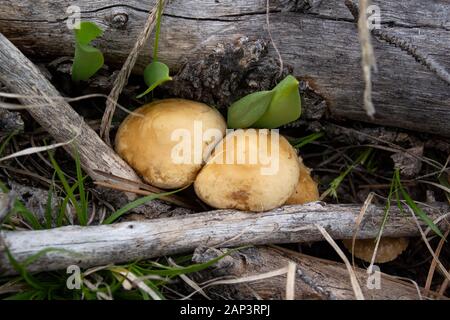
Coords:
355,284
441,267
434,262
14,106
366,204
33,150
444,286
125,72
280,59
290,281
262,276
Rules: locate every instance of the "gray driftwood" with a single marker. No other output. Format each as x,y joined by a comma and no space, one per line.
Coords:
315,278
21,76
128,241
57,117
318,38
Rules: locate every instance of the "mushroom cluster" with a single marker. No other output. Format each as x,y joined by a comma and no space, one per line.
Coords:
388,249
247,169
259,184
146,139
306,189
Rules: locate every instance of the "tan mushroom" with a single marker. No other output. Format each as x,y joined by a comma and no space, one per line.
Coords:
306,190
148,142
248,170
388,249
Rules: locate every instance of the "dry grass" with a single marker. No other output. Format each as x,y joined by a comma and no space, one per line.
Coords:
353,279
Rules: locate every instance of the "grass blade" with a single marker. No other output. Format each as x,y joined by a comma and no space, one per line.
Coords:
69,190
136,203
83,216
298,143
418,211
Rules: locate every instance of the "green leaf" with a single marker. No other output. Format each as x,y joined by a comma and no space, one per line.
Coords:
285,106
300,142
417,210
136,203
88,60
81,215
155,74
31,281
87,32
246,111
30,218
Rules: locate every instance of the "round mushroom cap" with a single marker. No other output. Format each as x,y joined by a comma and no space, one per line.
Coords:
388,249
251,170
167,142
306,190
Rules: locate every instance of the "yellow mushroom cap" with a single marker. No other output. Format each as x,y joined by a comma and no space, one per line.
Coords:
306,190
148,142
388,249
249,171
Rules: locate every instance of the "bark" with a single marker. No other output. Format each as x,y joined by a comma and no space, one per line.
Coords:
317,38
129,241
10,122
316,279
21,76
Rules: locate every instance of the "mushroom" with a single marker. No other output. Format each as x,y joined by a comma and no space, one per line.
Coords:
251,170
306,190
149,140
388,249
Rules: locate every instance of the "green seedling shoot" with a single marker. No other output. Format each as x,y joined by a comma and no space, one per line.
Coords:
156,73
267,109
87,60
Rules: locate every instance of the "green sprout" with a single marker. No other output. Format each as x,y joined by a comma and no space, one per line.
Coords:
334,185
395,190
303,141
88,60
156,73
267,109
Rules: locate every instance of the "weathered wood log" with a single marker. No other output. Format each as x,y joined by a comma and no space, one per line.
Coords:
315,278
21,76
318,38
64,124
128,241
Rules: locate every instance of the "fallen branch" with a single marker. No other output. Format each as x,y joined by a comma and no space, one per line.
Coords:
314,278
319,39
125,72
128,241
21,76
